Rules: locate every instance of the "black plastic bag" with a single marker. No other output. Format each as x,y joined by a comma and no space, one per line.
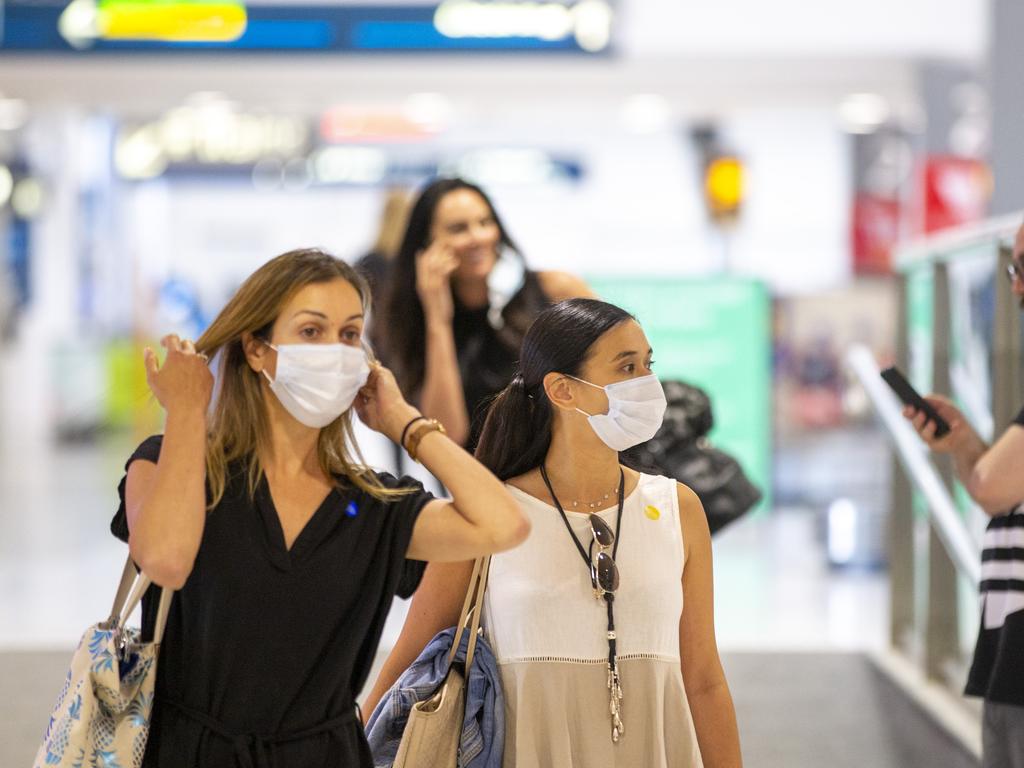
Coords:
681,451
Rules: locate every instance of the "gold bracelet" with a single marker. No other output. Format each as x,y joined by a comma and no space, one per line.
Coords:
430,425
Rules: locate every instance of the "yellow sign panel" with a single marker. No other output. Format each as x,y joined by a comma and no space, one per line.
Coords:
181,22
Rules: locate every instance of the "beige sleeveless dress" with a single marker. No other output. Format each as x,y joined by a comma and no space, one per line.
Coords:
549,637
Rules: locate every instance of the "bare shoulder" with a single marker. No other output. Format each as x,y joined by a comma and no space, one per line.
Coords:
689,502
560,286
692,517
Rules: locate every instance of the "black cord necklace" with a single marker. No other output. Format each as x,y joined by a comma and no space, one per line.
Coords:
614,682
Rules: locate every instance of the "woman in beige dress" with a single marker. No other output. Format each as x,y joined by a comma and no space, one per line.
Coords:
602,621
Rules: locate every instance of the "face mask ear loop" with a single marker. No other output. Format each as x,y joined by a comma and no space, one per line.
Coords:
264,371
582,381
589,384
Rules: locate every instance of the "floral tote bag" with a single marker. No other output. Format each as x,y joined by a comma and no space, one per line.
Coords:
101,718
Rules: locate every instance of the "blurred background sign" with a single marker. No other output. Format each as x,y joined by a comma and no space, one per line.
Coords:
714,333
569,26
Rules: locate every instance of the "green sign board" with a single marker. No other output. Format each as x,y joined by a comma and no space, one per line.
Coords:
920,312
714,333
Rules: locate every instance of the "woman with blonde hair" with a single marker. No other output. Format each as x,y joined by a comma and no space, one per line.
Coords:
284,550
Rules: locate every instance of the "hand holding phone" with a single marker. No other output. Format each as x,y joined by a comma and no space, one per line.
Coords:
910,396
434,267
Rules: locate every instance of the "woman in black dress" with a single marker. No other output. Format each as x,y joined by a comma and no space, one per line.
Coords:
285,552
459,302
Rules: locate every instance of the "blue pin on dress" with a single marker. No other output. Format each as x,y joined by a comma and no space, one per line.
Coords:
351,510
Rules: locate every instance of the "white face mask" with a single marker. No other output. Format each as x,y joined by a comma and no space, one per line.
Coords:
316,383
636,408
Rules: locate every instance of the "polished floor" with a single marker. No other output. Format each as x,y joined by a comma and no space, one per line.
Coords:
837,711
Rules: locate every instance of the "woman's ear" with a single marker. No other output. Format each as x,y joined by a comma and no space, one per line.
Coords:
255,351
558,388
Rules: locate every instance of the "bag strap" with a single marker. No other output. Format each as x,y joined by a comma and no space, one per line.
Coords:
133,586
472,608
128,576
478,611
460,627
162,611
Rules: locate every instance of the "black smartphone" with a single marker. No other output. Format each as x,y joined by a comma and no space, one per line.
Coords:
910,396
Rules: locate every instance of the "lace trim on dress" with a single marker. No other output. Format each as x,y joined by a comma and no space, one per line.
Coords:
570,660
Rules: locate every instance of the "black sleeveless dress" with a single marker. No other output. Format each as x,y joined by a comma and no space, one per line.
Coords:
266,648
488,356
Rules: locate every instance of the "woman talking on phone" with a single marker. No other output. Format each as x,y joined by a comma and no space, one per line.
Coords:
459,303
284,550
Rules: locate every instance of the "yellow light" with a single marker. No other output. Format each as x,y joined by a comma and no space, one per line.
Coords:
172,21
723,184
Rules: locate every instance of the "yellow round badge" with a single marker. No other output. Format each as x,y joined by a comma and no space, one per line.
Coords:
652,513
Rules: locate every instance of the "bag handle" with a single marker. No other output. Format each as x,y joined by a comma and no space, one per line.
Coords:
478,611
128,576
472,608
460,627
133,586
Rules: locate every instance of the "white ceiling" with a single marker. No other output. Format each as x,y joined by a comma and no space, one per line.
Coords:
815,29
692,86
703,57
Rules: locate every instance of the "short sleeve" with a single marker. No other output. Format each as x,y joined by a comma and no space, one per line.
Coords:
403,513
1020,418
149,450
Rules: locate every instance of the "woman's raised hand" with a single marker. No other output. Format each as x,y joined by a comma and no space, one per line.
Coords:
184,380
380,404
434,267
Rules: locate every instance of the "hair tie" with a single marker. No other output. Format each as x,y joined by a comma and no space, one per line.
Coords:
518,382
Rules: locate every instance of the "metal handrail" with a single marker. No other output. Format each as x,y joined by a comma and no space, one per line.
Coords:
957,238
913,455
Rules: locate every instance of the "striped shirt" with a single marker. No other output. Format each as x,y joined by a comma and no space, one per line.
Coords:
997,673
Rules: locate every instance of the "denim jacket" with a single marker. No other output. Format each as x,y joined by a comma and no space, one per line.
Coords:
483,730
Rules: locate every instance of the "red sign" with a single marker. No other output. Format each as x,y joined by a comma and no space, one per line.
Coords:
956,191
876,228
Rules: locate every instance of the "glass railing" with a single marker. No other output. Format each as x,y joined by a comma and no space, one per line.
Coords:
960,334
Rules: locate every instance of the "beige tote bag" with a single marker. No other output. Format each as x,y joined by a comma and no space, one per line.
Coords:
432,734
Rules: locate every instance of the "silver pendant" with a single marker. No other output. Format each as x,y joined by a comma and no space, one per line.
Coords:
615,704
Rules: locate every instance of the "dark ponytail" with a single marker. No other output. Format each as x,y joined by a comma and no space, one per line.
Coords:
517,432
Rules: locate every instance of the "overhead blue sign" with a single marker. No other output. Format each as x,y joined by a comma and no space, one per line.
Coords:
580,27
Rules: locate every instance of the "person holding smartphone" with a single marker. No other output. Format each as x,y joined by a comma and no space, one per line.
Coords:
459,302
994,477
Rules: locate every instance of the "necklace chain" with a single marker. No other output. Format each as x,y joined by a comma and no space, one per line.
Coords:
613,492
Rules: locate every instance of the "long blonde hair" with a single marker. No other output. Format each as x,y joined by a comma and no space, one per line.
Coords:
238,429
393,217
